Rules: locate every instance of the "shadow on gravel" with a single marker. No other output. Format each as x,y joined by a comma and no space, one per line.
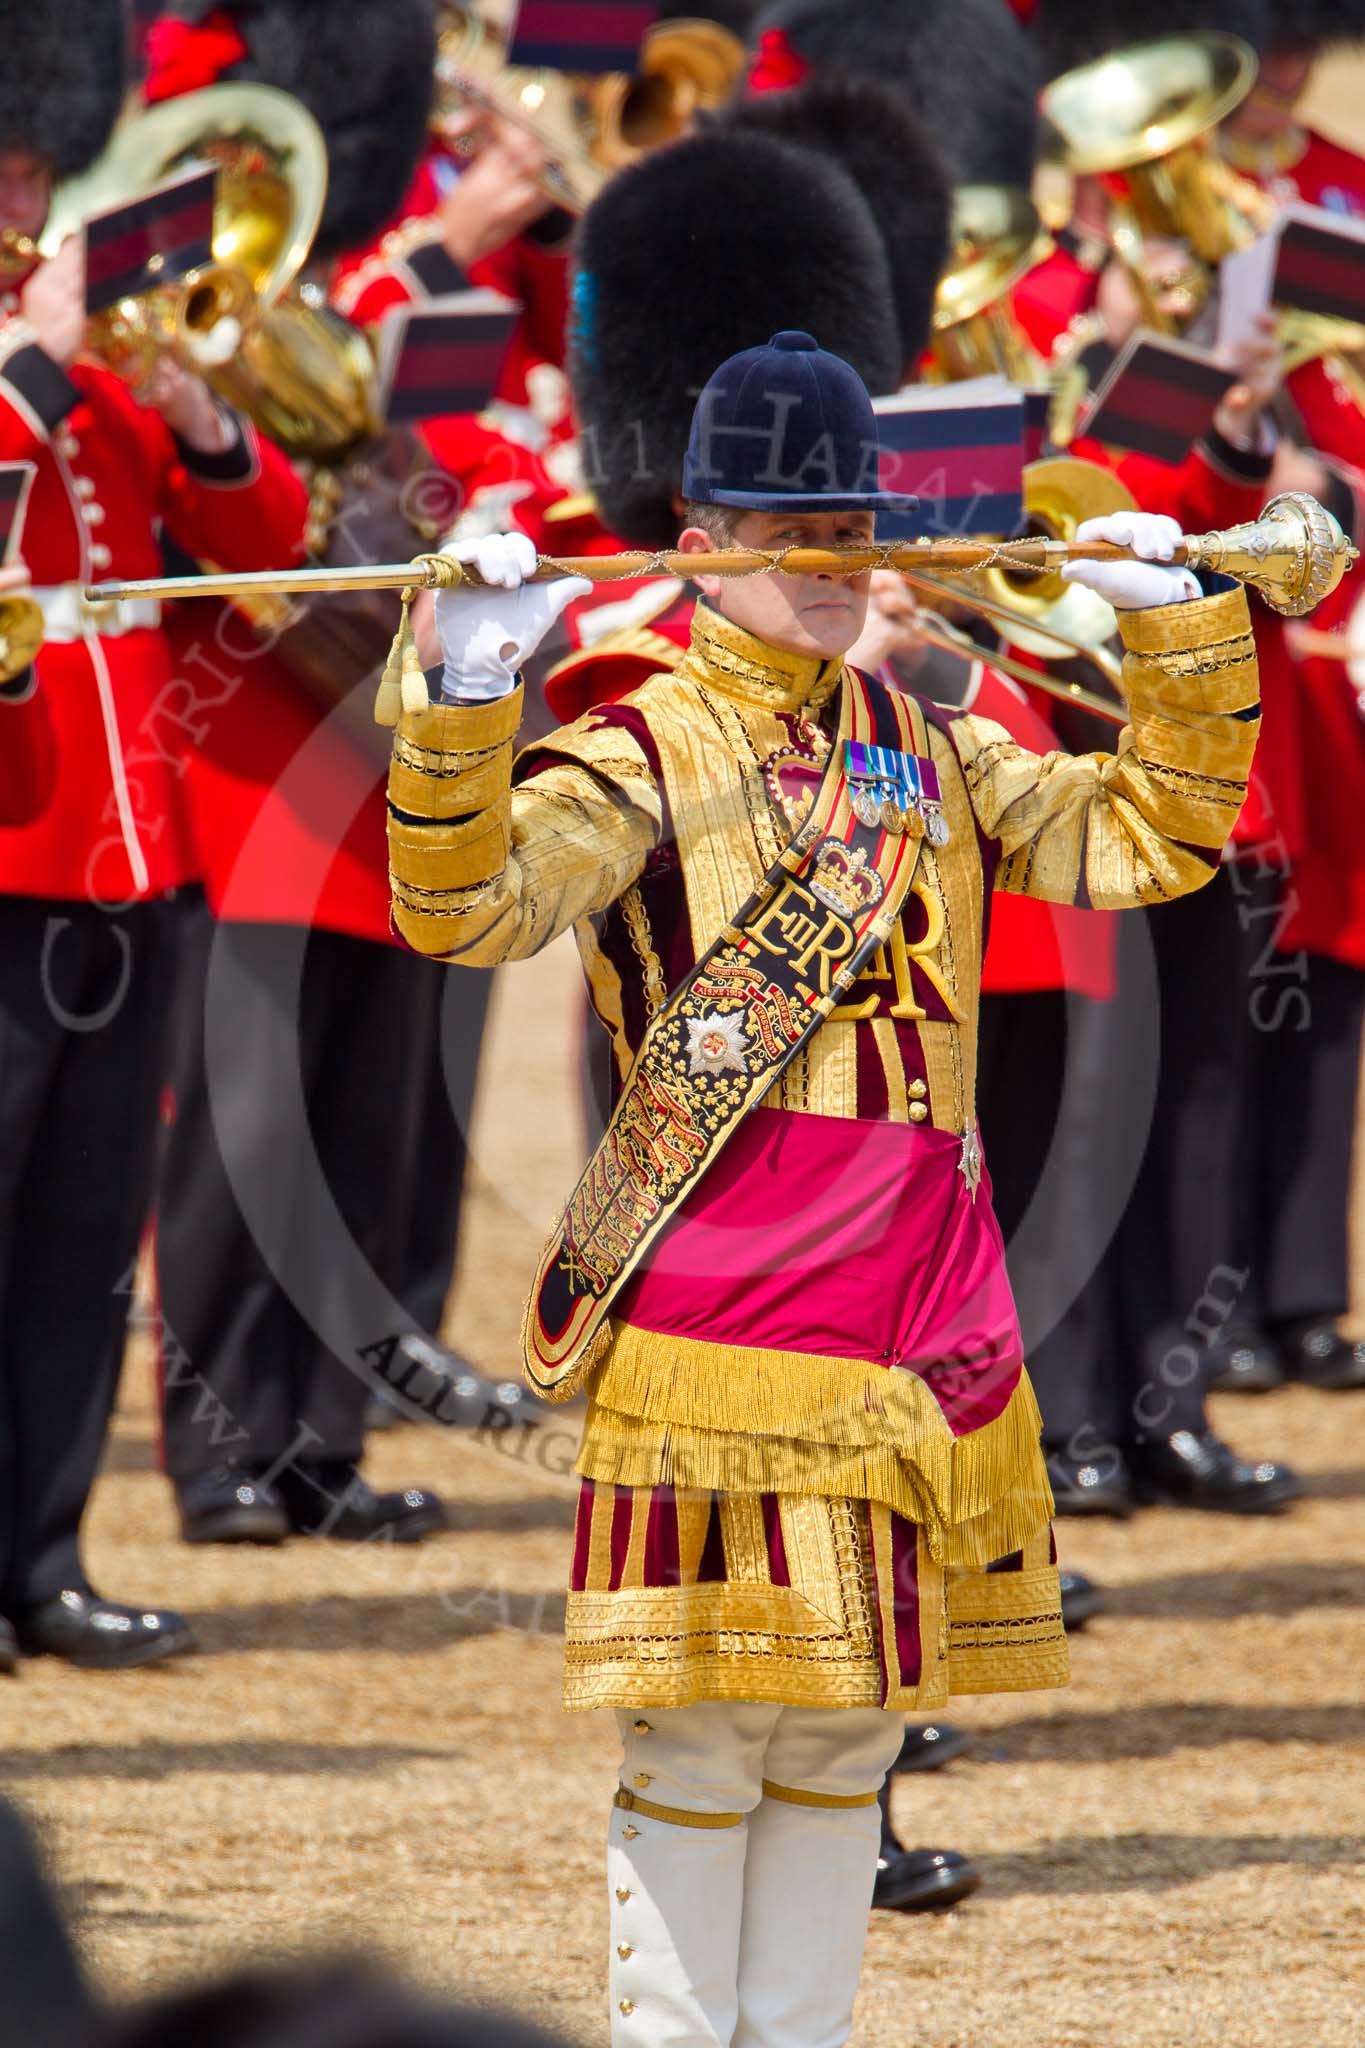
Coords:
1129,1734
1153,1863
1268,1589
1335,1485
405,1624
513,1517
153,1761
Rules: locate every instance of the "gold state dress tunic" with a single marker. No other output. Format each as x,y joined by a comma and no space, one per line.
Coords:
811,1469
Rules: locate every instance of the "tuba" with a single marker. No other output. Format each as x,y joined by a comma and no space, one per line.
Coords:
589,127
265,343
1147,114
997,238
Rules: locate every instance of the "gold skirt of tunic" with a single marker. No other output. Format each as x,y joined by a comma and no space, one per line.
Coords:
802,1600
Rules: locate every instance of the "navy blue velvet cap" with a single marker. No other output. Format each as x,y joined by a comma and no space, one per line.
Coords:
786,428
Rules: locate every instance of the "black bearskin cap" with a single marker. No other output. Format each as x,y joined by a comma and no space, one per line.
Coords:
1075,32
62,80
967,69
365,70
1316,24
702,249
870,132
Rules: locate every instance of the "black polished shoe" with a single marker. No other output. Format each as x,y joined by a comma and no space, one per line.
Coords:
448,1390
920,1880
333,1500
1090,1486
1082,1599
930,1745
1198,1470
9,1647
1243,1362
99,1635
229,1505
1321,1357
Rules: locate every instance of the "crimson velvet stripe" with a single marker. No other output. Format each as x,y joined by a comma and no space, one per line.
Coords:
582,1536
905,1598
622,1514
711,1566
777,1549
662,1567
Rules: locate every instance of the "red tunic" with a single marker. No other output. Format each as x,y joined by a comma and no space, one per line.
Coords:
1312,823
111,709
288,809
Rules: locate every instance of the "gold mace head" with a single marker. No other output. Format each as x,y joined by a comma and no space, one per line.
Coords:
1295,554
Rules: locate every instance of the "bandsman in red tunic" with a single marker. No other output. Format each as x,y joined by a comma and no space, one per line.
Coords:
1303,878
85,878
289,1217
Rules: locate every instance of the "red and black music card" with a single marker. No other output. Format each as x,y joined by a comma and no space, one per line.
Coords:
443,357
1157,398
1309,258
567,35
958,449
16,479
151,240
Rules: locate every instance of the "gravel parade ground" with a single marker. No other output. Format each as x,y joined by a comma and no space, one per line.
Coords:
371,1753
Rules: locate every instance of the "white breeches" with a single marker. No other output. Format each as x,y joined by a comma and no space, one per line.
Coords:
740,1860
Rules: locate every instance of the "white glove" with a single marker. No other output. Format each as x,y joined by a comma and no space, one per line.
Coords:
1133,586
486,635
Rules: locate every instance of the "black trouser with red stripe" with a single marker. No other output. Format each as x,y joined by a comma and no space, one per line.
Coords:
302,1148
83,1002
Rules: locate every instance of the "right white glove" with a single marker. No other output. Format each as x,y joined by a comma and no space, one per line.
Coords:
1134,586
486,635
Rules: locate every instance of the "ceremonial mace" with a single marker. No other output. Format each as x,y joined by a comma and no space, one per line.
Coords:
1295,554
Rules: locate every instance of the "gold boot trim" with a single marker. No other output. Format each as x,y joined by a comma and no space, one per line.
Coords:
676,1816
792,1795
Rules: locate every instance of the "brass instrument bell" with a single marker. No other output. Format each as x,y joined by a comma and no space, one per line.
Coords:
1149,111
997,237
267,346
588,127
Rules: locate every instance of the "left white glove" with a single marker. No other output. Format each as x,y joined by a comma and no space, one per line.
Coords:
486,635
1134,586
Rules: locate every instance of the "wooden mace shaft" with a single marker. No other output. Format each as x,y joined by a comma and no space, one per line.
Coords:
1038,556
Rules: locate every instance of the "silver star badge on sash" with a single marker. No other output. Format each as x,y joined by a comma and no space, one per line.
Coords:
716,1044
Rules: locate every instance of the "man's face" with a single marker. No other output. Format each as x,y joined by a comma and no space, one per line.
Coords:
25,191
820,615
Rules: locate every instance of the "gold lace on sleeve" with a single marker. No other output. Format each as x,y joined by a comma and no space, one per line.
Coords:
1147,822
480,872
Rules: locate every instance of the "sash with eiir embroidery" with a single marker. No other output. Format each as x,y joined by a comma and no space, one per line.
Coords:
785,960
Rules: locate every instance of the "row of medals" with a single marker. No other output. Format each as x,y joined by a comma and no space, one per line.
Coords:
875,805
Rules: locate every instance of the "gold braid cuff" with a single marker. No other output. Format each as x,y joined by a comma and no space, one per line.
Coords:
450,803
792,1795
676,1816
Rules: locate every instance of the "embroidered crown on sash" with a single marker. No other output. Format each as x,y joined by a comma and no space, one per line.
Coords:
841,877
